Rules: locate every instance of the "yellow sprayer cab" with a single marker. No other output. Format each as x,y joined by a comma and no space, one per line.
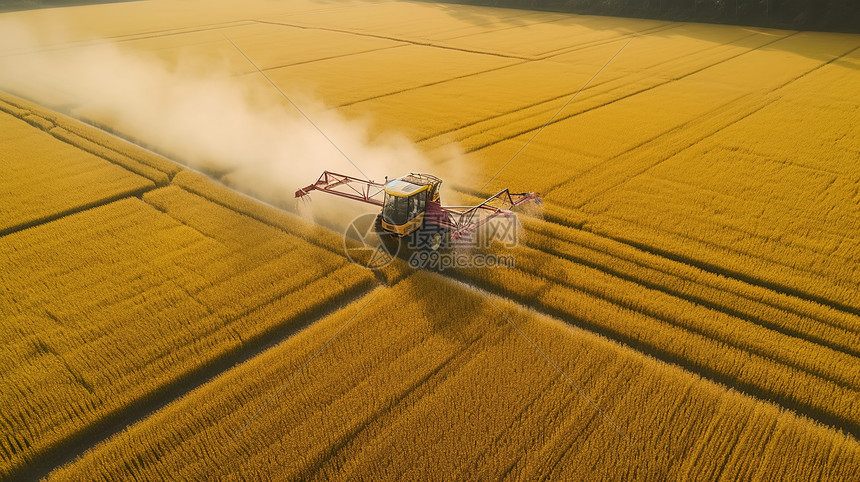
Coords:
405,202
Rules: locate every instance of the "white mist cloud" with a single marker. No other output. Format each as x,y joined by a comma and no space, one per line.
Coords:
200,115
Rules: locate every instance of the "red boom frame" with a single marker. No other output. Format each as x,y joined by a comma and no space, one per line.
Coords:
463,220
459,220
337,184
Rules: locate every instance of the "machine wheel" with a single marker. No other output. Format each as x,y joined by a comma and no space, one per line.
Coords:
432,239
390,241
435,241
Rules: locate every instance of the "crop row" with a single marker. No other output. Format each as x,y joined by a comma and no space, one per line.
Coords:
134,295
751,301
786,314
730,349
30,193
92,140
768,195
473,398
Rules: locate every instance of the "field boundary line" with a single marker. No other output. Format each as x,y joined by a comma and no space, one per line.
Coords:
851,428
705,303
733,122
524,16
301,369
712,268
736,106
128,38
430,84
35,223
688,327
598,43
395,39
575,95
464,76
632,94
332,57
41,464
550,100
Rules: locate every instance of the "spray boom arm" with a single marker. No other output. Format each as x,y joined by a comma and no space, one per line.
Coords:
345,186
461,221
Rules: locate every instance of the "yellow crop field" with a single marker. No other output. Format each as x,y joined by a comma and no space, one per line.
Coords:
685,304
351,419
167,295
72,182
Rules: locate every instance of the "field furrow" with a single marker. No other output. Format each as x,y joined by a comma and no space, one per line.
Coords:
704,343
502,376
72,185
790,316
134,344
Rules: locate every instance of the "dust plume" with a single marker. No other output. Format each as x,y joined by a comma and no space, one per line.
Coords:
237,128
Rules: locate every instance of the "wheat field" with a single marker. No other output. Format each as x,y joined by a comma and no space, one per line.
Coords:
685,306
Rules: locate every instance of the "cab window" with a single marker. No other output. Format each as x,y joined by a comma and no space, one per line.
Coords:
416,204
394,209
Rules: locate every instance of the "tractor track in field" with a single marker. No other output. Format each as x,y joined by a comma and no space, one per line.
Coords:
494,69
690,327
732,273
416,43
405,42
849,426
321,59
411,396
697,280
563,118
130,38
738,252
706,266
707,304
402,42
572,438
430,84
78,443
712,305
721,271
627,177
558,412
685,326
549,101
